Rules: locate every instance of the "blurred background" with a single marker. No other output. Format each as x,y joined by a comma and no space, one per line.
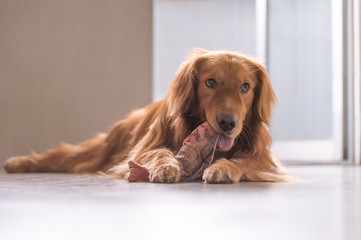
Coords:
70,69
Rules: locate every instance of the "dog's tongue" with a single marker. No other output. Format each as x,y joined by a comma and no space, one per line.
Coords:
225,143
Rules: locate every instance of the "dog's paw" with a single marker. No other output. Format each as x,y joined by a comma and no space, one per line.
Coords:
165,173
217,173
18,164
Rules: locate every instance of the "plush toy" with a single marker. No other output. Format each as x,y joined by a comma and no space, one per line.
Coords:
195,155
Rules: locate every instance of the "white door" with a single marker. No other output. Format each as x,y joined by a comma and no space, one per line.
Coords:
305,66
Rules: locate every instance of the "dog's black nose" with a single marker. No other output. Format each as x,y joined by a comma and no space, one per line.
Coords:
226,122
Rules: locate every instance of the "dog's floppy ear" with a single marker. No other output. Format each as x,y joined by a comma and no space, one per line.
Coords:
182,92
265,97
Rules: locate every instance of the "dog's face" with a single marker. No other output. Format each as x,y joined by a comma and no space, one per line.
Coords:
225,95
225,89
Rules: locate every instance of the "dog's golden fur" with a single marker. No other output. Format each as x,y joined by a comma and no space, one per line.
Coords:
152,135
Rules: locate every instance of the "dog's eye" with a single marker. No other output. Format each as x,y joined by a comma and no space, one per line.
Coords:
211,83
245,88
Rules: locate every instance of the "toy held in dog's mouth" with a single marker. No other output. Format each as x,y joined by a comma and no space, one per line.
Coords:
195,155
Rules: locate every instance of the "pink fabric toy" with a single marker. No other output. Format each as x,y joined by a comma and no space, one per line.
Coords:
195,155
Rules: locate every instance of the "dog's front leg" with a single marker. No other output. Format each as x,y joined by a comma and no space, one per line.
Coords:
162,165
223,171
259,168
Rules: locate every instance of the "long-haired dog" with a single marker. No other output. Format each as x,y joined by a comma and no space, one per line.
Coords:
230,91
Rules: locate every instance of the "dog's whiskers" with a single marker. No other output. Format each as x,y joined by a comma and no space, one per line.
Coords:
245,136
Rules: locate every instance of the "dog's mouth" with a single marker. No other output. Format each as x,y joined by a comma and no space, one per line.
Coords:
225,142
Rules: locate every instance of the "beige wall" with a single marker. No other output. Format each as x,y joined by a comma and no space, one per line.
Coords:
70,69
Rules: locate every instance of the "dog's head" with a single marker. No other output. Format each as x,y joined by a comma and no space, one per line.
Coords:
225,89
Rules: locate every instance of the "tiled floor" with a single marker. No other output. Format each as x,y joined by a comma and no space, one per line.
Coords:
60,206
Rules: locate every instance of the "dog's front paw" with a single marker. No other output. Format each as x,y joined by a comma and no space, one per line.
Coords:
165,173
218,173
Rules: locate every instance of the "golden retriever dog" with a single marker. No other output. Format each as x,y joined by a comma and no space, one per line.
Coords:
230,91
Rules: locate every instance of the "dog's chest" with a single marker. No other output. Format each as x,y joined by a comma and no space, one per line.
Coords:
221,154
